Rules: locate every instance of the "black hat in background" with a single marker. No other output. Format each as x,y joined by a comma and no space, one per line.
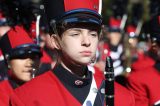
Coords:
16,43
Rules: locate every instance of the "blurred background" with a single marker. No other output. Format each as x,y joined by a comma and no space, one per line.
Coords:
135,9
125,34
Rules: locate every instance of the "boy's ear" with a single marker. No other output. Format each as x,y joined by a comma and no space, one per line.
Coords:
55,41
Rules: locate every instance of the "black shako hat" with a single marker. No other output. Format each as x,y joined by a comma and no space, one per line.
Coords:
16,43
68,13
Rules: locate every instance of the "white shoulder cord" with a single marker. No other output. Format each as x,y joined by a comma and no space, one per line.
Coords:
93,91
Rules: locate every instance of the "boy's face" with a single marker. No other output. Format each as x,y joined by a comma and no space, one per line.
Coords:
79,45
22,68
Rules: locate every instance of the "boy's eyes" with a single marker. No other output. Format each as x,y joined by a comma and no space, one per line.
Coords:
74,34
94,34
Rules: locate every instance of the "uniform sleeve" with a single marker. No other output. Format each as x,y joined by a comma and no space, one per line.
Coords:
132,99
5,92
139,91
15,101
3,100
123,97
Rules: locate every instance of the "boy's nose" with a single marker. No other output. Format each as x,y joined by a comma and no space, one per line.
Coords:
86,41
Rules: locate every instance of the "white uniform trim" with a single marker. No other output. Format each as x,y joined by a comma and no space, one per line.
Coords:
116,54
157,103
91,68
116,63
92,94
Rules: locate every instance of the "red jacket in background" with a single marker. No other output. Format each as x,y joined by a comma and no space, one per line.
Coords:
144,82
5,92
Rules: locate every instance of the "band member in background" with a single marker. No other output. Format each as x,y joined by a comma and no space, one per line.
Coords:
115,44
22,58
144,79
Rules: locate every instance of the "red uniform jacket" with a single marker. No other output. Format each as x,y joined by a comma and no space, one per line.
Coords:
123,97
5,92
142,62
145,82
47,90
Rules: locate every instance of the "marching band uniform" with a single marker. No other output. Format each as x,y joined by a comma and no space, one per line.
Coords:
13,44
62,90
116,50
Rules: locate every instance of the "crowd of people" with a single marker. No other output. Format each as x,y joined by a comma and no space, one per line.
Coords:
53,53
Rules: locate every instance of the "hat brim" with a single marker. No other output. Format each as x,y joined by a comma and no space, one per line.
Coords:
25,51
79,18
114,29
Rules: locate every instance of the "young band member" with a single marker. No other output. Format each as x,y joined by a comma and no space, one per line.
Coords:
75,31
22,57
